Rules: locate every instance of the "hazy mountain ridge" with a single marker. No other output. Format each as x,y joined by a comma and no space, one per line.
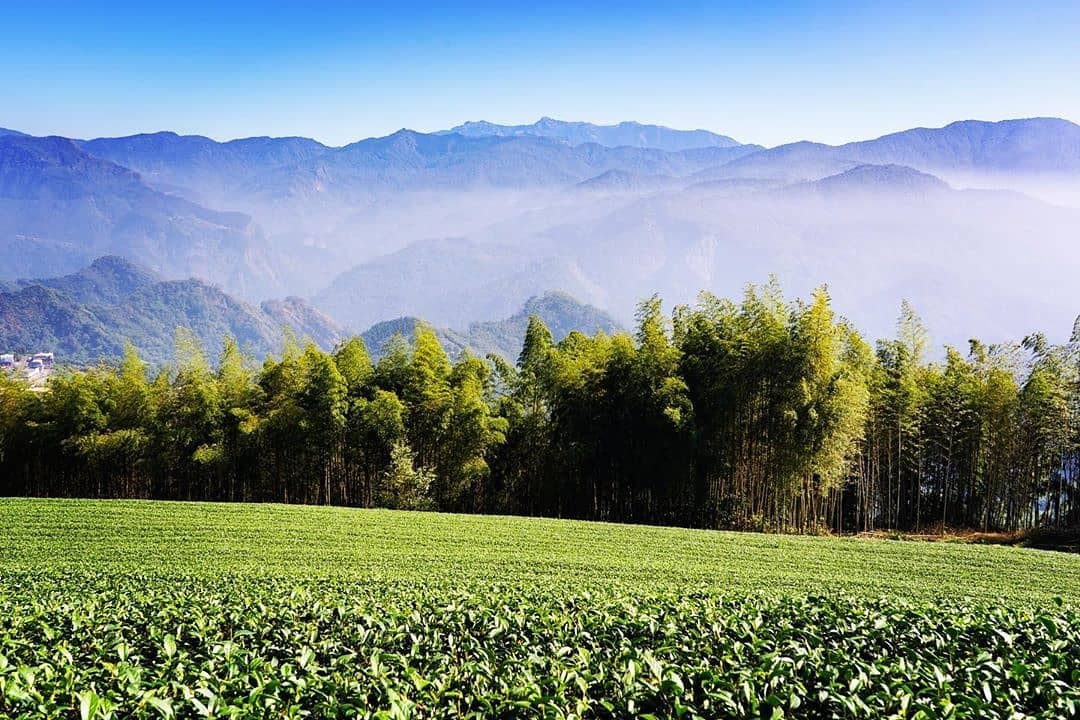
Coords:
331,199
404,159
89,315
621,180
1036,145
460,229
874,179
60,208
411,160
472,281
560,312
875,234
199,166
629,134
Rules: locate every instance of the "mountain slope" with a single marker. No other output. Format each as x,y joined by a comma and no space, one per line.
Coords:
628,134
304,320
60,208
107,280
559,311
202,168
378,336
83,317
1031,146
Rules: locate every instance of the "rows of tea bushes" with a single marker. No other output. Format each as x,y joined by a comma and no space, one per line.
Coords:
156,646
306,542
175,610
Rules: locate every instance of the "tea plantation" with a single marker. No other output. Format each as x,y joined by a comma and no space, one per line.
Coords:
159,610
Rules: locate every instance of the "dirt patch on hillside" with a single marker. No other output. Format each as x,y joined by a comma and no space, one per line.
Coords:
1061,540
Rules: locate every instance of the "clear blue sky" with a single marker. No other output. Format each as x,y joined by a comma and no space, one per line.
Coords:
765,72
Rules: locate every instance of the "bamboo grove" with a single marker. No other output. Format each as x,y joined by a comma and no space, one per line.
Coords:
759,414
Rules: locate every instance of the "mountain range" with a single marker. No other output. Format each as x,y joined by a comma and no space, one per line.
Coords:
561,313
625,134
61,207
972,222
90,314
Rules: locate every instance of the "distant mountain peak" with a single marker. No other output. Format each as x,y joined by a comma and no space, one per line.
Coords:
622,180
559,310
1044,121
1020,145
624,134
115,262
882,177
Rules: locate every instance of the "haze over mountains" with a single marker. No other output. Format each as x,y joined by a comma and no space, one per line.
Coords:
561,313
975,223
60,208
89,315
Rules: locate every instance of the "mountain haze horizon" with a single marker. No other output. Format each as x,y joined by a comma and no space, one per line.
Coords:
462,227
546,126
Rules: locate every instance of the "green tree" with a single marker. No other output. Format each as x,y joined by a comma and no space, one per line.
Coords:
323,401
405,486
473,432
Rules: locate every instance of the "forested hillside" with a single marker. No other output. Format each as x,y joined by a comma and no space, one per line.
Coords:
758,414
88,316
561,313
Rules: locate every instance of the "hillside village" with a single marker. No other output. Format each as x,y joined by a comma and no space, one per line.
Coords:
36,367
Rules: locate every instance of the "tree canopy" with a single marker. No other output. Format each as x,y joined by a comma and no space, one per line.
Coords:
762,413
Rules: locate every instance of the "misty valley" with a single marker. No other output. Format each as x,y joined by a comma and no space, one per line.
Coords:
971,223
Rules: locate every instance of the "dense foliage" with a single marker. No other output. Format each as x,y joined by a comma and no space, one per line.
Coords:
761,414
273,649
123,609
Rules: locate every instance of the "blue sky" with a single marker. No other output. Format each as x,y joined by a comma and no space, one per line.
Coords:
765,72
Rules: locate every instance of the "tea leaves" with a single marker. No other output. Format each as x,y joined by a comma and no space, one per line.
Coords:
172,610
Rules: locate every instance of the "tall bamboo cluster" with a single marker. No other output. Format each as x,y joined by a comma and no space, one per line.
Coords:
761,413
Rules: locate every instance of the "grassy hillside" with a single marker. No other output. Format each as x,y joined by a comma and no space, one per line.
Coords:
160,610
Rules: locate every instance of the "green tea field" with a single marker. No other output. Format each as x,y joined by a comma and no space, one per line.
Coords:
115,609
